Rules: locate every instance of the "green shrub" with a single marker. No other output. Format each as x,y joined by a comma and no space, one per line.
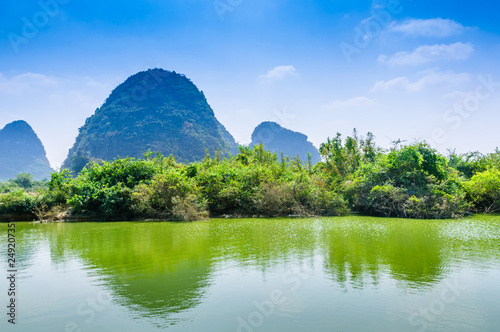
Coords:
327,203
276,199
170,195
483,189
129,172
414,165
17,203
93,199
411,181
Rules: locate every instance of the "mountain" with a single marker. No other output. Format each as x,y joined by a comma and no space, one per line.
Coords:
155,110
21,151
277,139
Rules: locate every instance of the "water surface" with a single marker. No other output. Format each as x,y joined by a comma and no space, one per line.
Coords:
328,274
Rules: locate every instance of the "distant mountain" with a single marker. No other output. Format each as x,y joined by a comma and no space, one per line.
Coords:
277,139
21,151
155,110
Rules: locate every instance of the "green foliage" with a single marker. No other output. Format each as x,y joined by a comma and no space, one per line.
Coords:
484,190
128,172
101,201
471,163
105,190
17,203
170,195
467,164
413,165
493,159
390,201
7,187
252,183
409,181
60,187
23,180
256,183
343,159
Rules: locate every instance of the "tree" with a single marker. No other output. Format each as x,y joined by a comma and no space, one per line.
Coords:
23,180
333,153
369,148
468,164
411,165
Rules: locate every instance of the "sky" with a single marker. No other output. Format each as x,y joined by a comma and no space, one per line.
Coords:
408,69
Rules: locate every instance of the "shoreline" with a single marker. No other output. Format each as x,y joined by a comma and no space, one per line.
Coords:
78,219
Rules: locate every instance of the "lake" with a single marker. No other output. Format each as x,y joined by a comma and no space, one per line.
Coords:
326,274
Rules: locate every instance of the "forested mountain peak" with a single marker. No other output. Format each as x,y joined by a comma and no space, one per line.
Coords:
156,110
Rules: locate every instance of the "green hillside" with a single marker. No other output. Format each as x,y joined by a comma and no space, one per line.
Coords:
155,110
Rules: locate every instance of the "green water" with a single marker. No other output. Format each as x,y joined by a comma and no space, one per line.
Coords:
329,274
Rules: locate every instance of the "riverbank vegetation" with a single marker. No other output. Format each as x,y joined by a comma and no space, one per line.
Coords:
355,175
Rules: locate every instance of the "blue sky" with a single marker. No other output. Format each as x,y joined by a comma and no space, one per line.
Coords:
401,69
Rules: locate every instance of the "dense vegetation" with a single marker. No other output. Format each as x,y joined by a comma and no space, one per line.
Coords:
154,110
252,183
409,180
24,182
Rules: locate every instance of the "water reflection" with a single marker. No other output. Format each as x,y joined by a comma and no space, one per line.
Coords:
362,250
27,241
151,269
160,270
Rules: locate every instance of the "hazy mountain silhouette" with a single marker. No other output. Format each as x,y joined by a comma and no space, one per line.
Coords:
277,139
21,151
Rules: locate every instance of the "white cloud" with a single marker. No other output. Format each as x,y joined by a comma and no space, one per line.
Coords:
24,82
429,78
279,73
349,103
434,27
428,53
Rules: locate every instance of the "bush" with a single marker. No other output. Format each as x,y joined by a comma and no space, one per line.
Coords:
413,165
232,187
170,195
483,190
467,164
8,187
189,208
277,199
390,201
102,201
327,203
412,181
129,172
17,203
